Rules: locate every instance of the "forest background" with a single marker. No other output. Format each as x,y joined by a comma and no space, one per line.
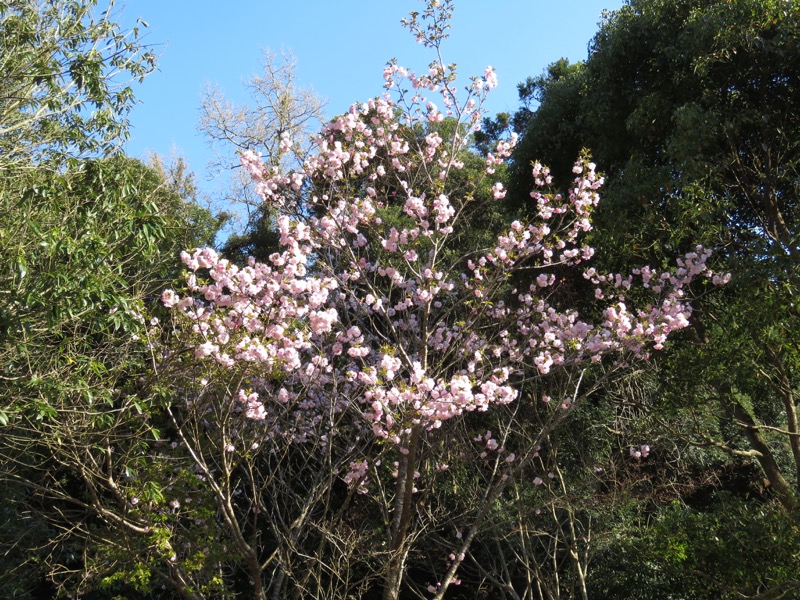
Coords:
450,401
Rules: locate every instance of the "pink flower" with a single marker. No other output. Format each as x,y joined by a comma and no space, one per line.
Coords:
498,192
169,298
490,78
205,349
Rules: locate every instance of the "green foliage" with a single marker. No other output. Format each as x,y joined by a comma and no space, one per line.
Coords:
85,255
683,104
554,131
690,109
82,252
259,240
732,547
63,67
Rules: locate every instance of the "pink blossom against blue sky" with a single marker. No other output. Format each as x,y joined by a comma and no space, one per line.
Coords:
341,47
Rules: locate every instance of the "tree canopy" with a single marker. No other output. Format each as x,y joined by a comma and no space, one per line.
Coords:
690,109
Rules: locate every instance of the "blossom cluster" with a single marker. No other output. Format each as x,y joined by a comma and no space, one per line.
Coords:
368,311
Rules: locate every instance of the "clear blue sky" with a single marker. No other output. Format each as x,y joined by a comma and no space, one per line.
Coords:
341,47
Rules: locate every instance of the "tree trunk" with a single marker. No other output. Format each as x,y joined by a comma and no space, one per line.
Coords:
403,511
765,458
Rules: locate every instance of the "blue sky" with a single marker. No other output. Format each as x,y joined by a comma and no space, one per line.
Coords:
341,48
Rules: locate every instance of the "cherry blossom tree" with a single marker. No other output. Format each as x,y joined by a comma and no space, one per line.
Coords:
356,372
